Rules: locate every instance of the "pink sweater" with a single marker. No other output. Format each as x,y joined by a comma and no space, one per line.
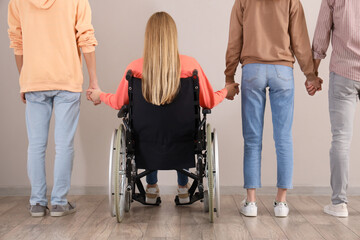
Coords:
208,98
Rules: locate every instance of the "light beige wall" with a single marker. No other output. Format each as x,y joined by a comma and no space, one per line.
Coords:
203,33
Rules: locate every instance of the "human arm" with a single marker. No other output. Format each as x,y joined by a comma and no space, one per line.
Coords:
116,100
323,29
86,40
235,43
19,63
300,44
15,36
208,98
321,39
90,60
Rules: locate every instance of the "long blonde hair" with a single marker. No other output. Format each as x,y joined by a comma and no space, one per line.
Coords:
161,67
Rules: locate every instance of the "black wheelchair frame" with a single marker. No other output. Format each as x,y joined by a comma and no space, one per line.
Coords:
134,178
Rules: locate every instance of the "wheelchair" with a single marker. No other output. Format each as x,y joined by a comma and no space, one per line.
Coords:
125,184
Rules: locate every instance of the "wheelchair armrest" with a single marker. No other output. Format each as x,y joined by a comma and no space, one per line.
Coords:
123,111
206,111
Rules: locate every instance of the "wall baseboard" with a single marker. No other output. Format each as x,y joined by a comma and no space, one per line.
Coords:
225,190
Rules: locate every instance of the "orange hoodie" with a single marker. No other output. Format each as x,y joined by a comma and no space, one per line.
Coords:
49,34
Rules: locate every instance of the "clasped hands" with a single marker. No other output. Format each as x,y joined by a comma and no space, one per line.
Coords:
93,94
313,84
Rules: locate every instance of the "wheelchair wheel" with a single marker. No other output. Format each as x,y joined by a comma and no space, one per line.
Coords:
111,175
120,174
216,173
209,171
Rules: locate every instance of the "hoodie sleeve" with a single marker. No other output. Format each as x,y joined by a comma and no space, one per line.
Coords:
84,30
15,32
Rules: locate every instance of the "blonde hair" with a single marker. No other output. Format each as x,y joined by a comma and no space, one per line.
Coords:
161,67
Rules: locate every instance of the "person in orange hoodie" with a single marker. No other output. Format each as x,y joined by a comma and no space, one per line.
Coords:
47,36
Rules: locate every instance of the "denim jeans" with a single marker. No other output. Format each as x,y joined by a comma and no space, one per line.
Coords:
39,107
152,178
256,78
343,97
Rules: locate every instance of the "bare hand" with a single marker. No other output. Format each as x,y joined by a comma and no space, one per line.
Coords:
313,85
232,89
23,98
94,95
93,85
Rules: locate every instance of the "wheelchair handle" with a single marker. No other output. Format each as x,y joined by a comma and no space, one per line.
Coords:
123,111
129,75
206,111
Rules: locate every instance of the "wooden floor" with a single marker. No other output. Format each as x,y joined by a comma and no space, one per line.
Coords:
92,221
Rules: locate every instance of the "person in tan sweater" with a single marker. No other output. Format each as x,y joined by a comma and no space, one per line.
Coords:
47,36
265,37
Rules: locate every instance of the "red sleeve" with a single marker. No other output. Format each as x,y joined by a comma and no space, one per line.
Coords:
118,99
209,98
121,97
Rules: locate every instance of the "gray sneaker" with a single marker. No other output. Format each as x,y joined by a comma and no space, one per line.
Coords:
38,210
62,210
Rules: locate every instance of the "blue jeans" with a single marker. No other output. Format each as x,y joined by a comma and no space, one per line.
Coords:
39,107
152,178
256,78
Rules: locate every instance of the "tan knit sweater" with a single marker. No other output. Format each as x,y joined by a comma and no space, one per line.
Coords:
268,32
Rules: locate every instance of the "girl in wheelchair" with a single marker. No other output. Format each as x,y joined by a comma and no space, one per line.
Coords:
160,71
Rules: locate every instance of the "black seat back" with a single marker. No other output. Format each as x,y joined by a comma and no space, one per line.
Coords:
164,135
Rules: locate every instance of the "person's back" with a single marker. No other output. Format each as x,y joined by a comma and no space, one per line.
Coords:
339,21
160,72
268,32
49,34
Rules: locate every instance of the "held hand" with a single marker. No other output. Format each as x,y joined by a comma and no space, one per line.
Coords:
23,98
94,95
232,89
93,85
313,85
310,89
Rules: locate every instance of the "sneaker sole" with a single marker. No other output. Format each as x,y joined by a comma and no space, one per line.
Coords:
249,215
37,214
60,214
150,200
184,200
281,214
335,214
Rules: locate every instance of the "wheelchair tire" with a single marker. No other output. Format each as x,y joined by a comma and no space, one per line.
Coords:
112,176
216,172
120,174
206,201
127,200
209,170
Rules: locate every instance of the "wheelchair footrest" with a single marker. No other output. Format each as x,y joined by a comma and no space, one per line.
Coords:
196,197
141,199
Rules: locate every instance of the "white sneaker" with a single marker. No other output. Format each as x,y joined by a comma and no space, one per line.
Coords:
151,195
338,210
183,194
248,209
281,209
